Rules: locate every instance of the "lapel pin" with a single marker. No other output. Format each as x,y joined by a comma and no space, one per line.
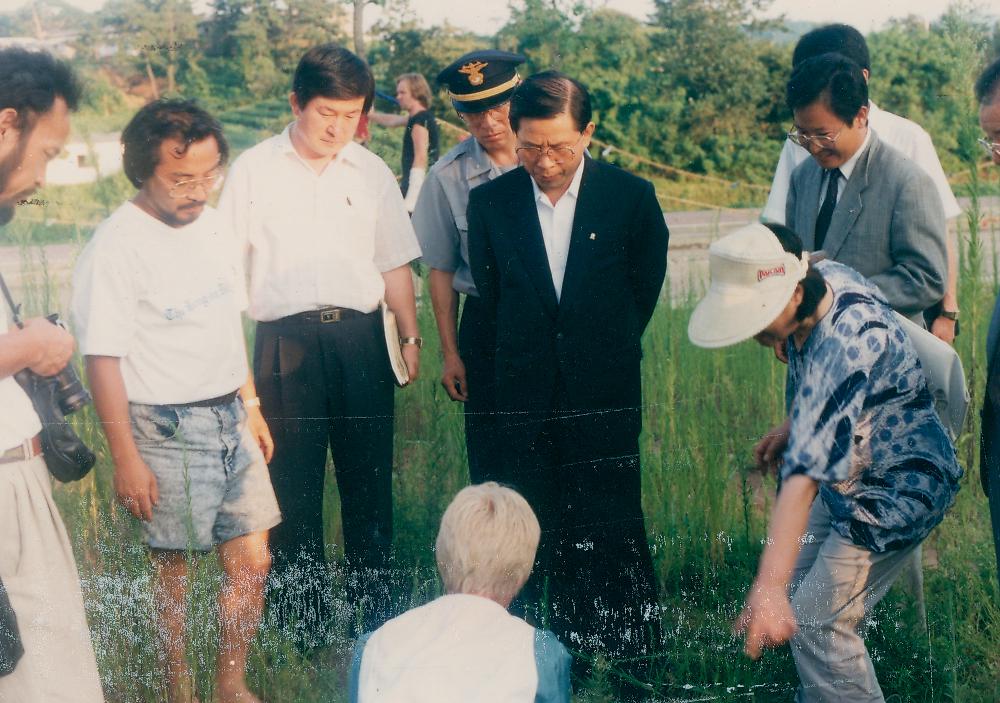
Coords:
593,236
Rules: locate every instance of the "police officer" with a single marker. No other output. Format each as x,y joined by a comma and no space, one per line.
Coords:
480,84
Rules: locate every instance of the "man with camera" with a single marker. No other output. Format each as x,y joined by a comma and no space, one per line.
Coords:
44,636
157,296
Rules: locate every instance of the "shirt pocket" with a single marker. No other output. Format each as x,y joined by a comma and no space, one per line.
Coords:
462,225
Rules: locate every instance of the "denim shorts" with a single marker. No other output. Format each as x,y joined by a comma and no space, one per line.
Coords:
212,479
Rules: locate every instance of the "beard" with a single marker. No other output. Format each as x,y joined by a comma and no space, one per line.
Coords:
7,167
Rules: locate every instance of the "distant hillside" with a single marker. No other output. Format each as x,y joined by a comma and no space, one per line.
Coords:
41,18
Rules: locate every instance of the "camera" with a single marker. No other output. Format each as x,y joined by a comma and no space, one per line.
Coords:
65,388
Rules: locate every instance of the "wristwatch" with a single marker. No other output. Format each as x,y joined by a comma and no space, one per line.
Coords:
949,314
418,341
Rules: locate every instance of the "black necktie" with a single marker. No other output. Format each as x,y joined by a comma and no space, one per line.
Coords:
826,211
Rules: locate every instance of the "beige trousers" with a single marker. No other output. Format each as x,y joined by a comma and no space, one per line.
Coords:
39,571
834,587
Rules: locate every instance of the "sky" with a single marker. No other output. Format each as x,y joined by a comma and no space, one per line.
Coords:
487,17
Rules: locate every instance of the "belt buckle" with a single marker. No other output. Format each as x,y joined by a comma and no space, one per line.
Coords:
330,315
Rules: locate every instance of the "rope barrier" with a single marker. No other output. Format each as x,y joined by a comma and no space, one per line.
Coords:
607,148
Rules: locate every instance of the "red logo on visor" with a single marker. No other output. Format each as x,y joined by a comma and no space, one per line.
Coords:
767,273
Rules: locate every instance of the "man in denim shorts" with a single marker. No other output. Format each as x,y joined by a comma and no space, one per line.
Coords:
157,298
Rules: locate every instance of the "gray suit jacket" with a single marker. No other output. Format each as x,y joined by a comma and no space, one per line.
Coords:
889,225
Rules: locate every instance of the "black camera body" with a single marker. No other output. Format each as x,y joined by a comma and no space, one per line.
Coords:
66,388
55,397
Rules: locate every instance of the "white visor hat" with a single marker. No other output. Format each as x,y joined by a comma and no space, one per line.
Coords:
752,280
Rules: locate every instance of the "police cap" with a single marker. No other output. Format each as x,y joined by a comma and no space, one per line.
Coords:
480,80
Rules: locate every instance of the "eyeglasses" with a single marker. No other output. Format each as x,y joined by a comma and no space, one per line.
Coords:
558,154
497,113
185,189
823,141
992,148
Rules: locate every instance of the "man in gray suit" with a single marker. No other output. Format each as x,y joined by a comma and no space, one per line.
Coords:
863,203
858,199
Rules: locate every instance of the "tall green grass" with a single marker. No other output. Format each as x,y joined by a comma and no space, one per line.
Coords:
706,513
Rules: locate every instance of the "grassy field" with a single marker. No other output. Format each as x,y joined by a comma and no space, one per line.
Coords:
706,517
706,513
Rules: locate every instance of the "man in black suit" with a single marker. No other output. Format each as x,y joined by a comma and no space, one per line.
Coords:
569,256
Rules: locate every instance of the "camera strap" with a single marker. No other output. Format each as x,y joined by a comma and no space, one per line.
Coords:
14,308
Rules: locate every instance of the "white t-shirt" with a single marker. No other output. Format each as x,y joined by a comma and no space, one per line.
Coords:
18,419
167,301
898,132
314,240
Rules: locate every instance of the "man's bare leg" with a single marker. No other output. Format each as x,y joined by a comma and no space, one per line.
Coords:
171,609
245,562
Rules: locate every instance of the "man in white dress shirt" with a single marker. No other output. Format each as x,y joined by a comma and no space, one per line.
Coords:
37,568
898,132
326,237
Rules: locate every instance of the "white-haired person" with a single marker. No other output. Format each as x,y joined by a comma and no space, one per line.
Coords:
465,646
862,435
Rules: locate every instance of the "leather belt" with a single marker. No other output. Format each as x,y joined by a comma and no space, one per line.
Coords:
225,399
320,316
28,449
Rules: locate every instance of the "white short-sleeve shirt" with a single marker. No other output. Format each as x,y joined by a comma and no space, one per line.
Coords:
18,419
315,240
167,301
898,132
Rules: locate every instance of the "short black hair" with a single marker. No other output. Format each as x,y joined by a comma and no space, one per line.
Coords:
30,82
331,71
547,94
158,121
813,285
988,84
832,77
840,39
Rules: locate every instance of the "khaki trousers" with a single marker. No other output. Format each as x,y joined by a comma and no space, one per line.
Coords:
39,571
835,585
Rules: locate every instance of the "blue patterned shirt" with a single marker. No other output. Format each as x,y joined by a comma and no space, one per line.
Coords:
863,422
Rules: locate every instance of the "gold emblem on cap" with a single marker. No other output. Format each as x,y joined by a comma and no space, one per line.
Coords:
474,71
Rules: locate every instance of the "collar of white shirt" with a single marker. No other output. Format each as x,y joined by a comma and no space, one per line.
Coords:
848,168
348,153
573,190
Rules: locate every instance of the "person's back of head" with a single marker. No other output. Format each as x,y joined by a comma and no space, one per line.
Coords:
840,39
830,77
487,542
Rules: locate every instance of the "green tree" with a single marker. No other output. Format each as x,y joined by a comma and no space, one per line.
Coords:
155,37
401,45
925,73
256,44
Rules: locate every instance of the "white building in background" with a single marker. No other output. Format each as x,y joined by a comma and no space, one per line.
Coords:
83,161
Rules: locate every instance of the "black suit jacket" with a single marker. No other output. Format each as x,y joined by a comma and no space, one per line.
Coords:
582,352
